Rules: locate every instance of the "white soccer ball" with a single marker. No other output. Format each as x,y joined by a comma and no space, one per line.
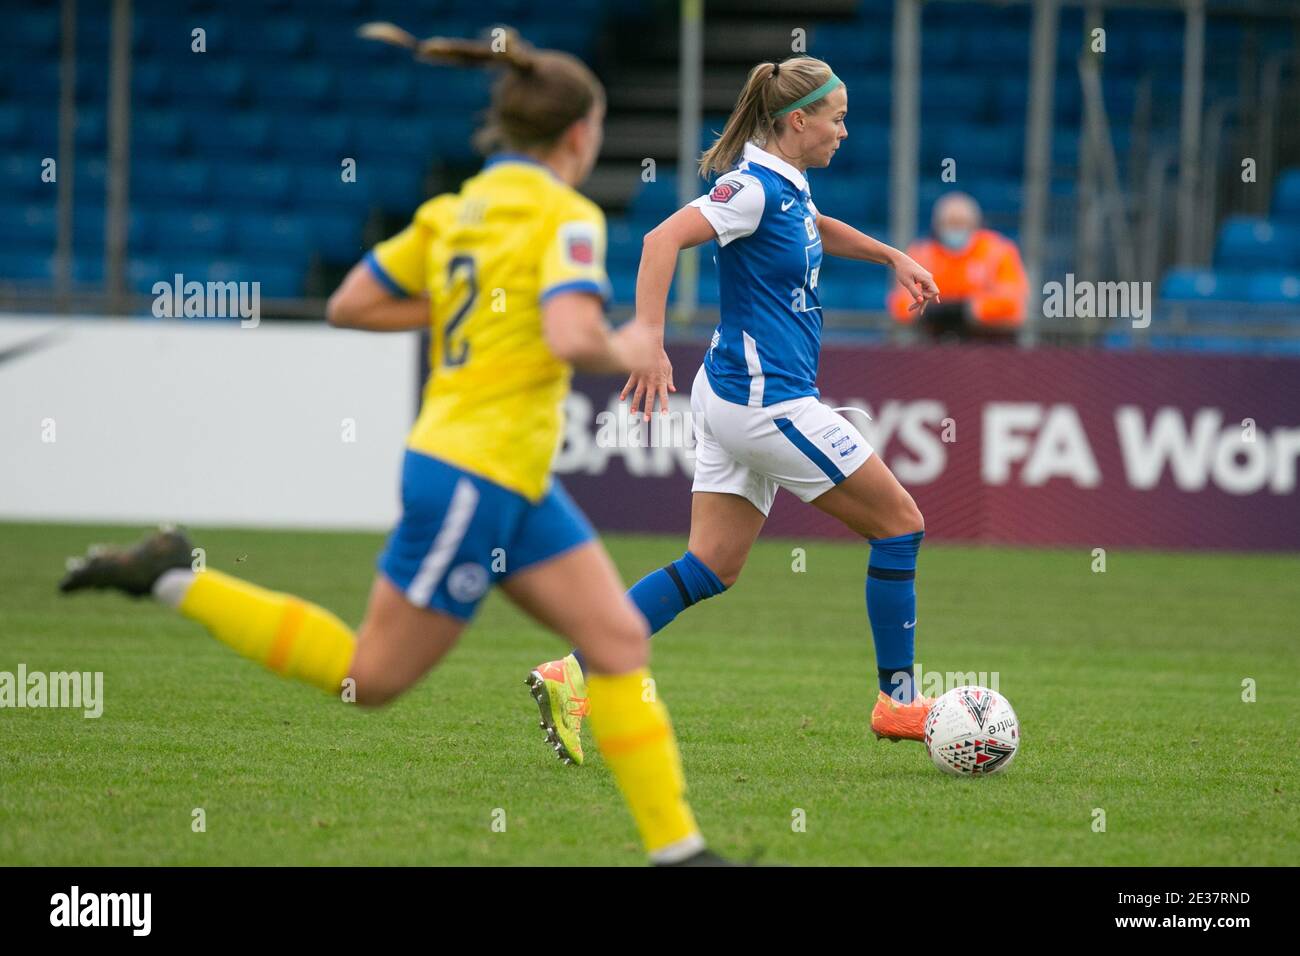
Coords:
972,731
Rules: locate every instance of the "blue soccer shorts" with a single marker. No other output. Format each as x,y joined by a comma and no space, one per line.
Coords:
460,534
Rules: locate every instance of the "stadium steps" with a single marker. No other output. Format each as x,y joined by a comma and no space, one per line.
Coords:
644,89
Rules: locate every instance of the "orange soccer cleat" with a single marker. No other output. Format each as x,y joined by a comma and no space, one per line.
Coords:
899,721
561,694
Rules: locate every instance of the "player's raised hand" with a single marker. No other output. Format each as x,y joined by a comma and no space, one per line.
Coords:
649,385
917,281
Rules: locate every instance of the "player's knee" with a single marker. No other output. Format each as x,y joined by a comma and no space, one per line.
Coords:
904,518
728,574
619,646
376,688
915,520
370,694
725,567
617,656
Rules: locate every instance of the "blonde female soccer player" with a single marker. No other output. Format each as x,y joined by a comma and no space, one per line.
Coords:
509,275
759,422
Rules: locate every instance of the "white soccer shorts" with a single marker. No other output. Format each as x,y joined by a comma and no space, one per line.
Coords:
802,445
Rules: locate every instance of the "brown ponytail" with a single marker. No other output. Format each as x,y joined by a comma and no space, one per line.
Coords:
770,87
540,94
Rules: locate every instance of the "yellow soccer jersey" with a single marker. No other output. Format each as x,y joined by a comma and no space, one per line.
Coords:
488,257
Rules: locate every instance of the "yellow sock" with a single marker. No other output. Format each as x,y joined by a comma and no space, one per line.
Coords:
637,742
292,637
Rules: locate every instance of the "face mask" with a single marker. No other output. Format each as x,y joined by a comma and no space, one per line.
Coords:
954,239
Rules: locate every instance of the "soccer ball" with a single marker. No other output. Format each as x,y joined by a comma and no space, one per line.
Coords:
972,731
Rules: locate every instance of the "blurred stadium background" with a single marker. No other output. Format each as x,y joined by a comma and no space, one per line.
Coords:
225,165
1032,465
206,139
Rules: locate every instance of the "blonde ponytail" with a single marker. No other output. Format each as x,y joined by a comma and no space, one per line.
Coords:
540,94
770,88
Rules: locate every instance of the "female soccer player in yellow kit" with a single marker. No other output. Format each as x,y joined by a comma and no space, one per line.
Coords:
509,273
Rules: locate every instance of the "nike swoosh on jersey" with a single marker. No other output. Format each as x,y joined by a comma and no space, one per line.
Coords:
787,204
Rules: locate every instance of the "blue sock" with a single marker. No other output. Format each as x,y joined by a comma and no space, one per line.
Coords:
662,595
891,608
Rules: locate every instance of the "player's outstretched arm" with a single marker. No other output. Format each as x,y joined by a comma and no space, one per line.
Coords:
684,229
363,302
576,332
841,239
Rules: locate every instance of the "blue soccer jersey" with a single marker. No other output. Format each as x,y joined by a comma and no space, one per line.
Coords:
766,346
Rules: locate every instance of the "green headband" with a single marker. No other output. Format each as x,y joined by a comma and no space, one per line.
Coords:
812,97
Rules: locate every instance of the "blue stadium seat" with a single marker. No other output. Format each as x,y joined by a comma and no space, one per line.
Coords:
91,132
655,200
276,280
88,270
977,150
855,199
960,96
34,33
850,48
847,287
390,90
454,139
33,224
143,271
320,187
275,39
157,132
572,35
36,82
177,232
1275,287
336,42
167,180
262,185
624,250
167,35
389,136
149,83
336,236
1250,243
298,86
282,238
1203,285
26,267
399,189
91,176
242,134
464,91
622,282
88,228
206,81
999,198
12,125
21,175
323,137
1286,196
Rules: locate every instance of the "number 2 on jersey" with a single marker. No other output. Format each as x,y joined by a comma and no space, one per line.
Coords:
457,354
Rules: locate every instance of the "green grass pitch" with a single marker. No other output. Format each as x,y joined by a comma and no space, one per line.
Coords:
1128,685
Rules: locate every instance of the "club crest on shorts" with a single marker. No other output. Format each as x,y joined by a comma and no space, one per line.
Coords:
467,582
724,191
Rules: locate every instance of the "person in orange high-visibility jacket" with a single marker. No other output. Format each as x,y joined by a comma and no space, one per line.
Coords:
979,270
